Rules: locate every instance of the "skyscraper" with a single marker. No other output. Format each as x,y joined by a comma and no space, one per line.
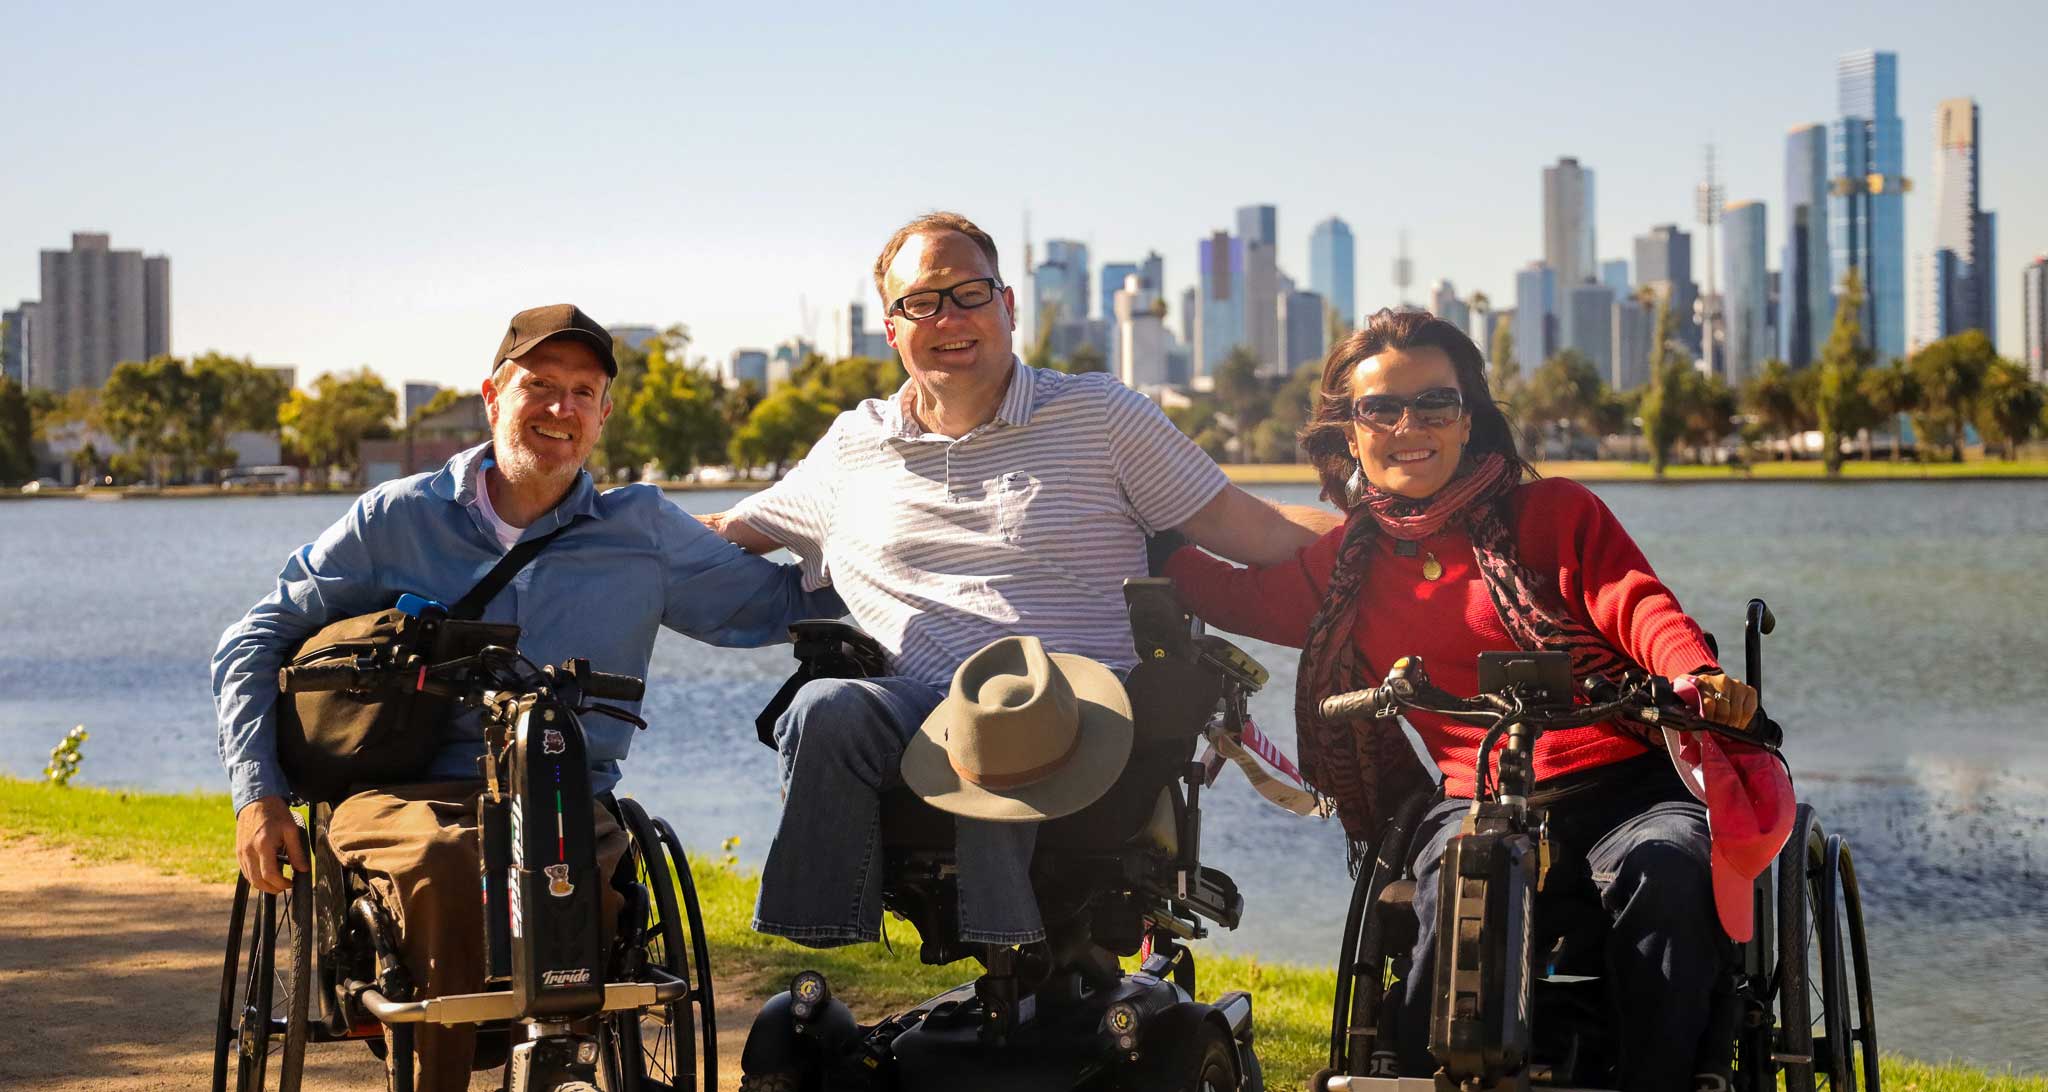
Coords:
1590,307
1113,274
14,352
1219,306
1568,239
1806,294
2034,316
99,307
1445,304
1959,290
1535,315
1614,274
1634,327
1866,205
1141,334
1302,329
1664,265
1746,290
1333,267
1258,232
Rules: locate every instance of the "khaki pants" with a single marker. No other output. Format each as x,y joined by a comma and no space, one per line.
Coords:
417,844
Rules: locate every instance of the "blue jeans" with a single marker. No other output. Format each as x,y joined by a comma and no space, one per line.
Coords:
1645,868
841,741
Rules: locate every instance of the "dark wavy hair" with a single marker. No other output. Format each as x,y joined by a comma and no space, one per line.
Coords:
1325,435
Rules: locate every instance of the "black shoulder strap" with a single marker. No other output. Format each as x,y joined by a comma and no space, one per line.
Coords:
471,606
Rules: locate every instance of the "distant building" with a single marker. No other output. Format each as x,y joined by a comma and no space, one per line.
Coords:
748,365
1746,299
2034,316
1535,315
1445,304
1569,244
1664,265
414,396
430,443
1479,323
1806,295
634,337
1303,329
1333,267
1113,276
1188,298
1867,199
99,307
1258,230
1960,287
14,351
785,359
1634,327
1219,306
1059,287
1591,309
1141,335
1614,274
857,340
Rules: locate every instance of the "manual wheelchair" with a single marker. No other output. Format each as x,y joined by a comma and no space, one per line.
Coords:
1122,877
318,964
1506,1015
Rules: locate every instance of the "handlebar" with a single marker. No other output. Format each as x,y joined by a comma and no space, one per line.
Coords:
610,687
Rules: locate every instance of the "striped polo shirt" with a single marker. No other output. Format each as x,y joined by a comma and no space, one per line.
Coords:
1027,525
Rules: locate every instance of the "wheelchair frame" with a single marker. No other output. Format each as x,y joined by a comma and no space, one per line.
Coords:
1808,917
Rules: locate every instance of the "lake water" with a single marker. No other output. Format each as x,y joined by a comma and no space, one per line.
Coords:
1907,669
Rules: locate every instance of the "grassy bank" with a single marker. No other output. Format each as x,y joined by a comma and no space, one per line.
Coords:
191,834
1802,471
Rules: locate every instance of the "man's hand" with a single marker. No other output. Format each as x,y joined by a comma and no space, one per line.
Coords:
262,828
1724,700
1246,529
738,533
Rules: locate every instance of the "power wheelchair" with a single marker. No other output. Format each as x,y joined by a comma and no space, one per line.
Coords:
1508,1016
318,964
1120,878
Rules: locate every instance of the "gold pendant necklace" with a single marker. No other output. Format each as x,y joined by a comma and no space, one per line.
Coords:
1432,569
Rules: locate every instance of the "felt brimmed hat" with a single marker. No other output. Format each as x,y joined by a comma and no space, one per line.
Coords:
1024,735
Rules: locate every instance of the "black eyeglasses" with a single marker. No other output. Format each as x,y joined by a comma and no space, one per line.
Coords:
1436,407
967,295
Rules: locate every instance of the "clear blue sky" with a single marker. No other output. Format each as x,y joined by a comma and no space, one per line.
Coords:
384,184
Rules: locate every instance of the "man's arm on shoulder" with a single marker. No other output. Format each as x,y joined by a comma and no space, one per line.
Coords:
724,595
1243,528
738,532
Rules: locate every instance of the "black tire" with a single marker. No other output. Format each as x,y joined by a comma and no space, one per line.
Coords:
1814,1045
771,1082
1850,968
260,1025
1186,1052
658,1050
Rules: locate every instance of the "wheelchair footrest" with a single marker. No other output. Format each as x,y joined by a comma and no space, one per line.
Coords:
477,1008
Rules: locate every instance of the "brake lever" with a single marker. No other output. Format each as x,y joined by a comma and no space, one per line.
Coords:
613,712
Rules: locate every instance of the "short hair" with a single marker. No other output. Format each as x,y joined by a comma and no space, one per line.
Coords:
1327,434
932,223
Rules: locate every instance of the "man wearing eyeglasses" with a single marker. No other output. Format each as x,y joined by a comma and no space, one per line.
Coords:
985,499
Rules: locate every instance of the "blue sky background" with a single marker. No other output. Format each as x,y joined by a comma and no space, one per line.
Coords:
384,184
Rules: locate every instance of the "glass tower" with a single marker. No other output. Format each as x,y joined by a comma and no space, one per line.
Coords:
1866,202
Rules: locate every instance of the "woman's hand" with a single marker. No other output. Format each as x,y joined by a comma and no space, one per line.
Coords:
1725,700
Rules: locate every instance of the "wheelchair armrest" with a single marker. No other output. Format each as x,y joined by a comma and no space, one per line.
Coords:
826,648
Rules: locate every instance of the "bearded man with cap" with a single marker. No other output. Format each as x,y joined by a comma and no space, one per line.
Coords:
986,501
628,564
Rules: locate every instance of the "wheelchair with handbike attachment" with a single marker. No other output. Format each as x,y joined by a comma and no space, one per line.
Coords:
1122,877
1504,1015
319,963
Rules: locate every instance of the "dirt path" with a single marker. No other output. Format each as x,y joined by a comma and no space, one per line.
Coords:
110,973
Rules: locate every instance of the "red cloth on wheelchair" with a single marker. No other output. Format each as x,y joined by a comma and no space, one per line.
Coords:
1750,803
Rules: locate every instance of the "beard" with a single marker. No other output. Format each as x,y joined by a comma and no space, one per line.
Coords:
520,463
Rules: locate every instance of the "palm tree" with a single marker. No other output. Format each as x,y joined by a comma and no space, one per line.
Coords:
2010,406
1773,397
1951,372
1893,390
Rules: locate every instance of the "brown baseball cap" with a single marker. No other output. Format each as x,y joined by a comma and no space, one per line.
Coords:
537,324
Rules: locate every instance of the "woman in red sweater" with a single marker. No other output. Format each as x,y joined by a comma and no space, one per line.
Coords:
1449,552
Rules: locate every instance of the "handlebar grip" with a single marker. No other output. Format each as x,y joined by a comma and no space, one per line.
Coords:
1351,705
1760,613
307,678
600,684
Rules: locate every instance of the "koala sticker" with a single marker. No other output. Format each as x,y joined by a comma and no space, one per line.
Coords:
551,742
558,881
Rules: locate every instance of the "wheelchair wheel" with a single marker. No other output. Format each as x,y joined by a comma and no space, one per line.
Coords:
261,1022
1820,1026
673,1046
1358,1013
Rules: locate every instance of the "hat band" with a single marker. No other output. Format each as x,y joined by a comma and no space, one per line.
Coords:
1022,777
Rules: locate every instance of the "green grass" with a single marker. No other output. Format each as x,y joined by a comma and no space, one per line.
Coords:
191,834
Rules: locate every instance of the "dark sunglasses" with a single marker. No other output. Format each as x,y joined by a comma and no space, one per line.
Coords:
1433,408
967,295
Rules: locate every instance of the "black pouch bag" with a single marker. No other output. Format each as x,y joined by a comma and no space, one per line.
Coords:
333,741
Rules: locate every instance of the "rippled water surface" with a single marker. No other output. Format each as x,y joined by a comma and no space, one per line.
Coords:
1907,668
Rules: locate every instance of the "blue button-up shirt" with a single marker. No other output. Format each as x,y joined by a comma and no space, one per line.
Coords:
629,563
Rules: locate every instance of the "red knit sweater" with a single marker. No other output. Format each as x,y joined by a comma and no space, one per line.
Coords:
1563,533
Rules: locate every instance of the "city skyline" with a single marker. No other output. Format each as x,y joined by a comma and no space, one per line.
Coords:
296,245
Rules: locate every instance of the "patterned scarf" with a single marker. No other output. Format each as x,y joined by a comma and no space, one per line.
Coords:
1368,769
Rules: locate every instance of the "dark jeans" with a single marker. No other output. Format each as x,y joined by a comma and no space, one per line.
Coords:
1638,857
